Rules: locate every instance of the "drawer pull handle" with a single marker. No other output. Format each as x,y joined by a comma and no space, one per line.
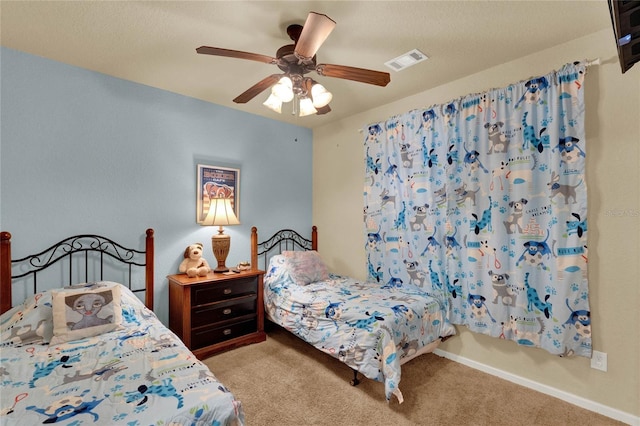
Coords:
227,332
226,311
227,291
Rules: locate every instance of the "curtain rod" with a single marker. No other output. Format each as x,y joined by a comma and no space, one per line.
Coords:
588,62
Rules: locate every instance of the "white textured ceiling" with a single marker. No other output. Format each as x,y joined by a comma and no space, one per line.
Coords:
154,42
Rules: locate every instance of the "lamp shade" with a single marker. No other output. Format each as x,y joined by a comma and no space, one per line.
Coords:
306,107
321,96
273,103
283,89
221,213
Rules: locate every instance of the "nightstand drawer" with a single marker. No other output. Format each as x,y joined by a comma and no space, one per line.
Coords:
207,336
223,290
223,311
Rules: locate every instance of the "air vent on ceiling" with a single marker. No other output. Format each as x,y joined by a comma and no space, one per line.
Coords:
405,61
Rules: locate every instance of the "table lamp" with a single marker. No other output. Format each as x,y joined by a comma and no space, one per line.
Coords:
220,214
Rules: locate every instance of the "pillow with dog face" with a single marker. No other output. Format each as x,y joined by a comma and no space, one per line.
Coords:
306,267
85,312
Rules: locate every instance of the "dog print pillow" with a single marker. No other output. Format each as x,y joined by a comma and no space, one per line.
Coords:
86,312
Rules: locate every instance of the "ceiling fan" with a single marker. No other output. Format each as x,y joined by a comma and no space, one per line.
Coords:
296,60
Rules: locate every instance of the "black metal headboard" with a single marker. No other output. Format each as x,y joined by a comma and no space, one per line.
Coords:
284,239
85,256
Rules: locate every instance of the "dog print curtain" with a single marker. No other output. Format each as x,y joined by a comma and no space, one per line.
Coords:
483,202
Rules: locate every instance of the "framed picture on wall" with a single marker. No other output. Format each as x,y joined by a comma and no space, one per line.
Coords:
216,182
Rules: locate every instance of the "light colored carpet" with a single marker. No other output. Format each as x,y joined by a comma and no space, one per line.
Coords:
285,381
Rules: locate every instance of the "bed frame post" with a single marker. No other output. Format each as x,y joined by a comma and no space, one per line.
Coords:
254,247
314,238
5,271
149,268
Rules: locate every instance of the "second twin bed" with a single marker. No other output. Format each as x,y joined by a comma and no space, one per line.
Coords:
371,327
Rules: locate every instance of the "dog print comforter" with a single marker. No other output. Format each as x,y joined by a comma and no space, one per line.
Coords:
138,374
371,327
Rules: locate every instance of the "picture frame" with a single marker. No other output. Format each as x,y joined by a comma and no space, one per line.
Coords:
216,181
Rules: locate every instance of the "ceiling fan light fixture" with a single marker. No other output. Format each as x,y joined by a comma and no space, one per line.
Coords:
273,103
297,59
306,107
321,96
283,89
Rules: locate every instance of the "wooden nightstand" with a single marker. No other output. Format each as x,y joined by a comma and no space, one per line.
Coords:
217,312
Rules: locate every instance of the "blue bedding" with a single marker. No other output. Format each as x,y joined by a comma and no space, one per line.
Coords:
141,374
371,327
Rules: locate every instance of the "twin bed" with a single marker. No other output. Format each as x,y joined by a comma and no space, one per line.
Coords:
92,352
371,327
83,349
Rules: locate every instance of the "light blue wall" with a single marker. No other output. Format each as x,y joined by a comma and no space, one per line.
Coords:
82,152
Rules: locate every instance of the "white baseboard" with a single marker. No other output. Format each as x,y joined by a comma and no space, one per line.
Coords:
547,390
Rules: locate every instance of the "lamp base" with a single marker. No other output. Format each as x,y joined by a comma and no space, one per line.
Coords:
220,244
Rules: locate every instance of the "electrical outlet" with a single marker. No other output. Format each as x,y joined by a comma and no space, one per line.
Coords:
599,360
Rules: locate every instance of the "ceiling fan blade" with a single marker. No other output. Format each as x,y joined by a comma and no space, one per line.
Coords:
315,31
323,110
378,78
257,88
217,51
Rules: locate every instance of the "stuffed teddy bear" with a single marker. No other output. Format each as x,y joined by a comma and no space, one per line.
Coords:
194,264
